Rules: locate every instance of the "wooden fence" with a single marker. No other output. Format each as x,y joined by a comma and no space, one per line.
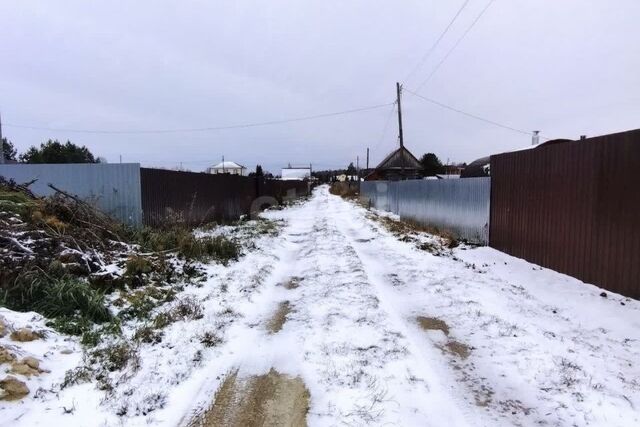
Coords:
573,207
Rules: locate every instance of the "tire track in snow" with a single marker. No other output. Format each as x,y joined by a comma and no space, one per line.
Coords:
351,333
359,362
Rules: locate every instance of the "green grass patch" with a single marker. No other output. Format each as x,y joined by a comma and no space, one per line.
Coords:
182,241
64,298
96,335
17,202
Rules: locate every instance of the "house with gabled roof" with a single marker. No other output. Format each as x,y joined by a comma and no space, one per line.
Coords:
400,164
227,167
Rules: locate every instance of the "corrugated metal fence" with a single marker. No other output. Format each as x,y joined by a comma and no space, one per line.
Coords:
573,207
459,206
139,196
112,188
197,198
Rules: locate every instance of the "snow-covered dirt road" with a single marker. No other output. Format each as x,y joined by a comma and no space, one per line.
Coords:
384,333
366,322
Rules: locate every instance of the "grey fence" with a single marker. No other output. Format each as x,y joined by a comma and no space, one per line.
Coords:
459,206
112,188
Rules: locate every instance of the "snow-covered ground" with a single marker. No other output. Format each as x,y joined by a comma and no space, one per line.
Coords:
506,342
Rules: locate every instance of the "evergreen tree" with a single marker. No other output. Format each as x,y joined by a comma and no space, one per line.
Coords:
53,151
8,149
431,165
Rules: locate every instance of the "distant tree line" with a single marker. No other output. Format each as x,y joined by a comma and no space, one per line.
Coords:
52,151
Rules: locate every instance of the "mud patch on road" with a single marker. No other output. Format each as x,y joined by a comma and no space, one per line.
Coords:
433,324
457,348
279,317
272,399
292,283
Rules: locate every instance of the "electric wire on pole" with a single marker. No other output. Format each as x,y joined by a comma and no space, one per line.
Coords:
204,129
437,42
473,116
444,59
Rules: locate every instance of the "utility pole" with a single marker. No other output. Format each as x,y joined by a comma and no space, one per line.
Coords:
1,144
358,167
223,171
399,92
367,158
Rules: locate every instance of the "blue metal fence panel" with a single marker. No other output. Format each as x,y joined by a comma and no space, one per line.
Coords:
459,206
112,188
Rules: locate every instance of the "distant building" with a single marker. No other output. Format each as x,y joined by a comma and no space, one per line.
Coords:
227,168
453,169
295,174
344,177
398,165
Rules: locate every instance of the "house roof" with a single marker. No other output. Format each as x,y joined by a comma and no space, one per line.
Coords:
477,168
482,166
399,159
228,165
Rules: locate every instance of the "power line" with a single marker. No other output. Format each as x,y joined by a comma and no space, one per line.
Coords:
437,42
435,70
448,107
205,129
386,125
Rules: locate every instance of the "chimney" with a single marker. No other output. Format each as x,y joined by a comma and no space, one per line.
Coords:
535,137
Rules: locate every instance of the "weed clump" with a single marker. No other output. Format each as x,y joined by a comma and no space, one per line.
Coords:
116,357
137,265
182,241
186,309
141,303
65,297
78,375
147,334
95,336
210,339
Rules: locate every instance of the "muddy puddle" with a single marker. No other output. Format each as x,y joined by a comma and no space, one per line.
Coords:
269,400
453,347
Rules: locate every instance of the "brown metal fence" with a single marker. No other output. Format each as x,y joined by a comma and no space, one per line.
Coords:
197,198
573,207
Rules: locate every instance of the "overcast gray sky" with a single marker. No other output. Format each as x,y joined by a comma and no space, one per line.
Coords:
566,67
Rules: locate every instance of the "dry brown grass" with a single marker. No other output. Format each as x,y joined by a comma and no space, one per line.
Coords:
405,228
349,190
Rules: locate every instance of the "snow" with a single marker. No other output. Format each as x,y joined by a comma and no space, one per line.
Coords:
51,352
545,348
